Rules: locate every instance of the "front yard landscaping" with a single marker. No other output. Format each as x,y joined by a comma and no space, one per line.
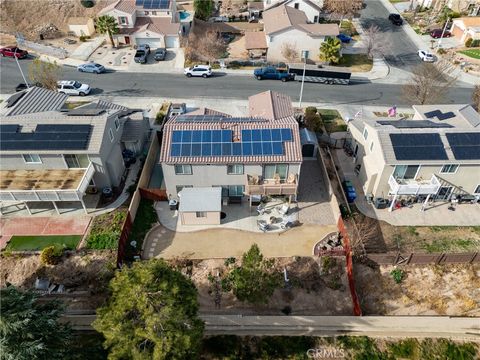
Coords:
34,243
356,62
332,120
473,53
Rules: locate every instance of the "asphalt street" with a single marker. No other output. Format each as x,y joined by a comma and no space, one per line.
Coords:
222,86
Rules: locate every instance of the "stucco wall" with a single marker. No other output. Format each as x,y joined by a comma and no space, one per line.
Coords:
300,40
190,218
87,29
306,8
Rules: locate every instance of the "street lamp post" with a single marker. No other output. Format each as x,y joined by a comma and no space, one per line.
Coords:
304,56
443,33
19,67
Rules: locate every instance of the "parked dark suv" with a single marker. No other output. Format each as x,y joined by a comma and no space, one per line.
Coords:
395,19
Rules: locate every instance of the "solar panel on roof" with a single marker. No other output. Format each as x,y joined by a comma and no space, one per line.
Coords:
206,149
257,148
216,136
216,149
418,147
12,100
256,135
439,115
277,148
139,2
237,149
60,128
9,128
465,146
286,135
413,124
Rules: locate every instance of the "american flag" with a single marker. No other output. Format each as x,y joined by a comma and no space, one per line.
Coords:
392,111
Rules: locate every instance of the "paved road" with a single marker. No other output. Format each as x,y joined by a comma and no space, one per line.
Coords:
374,326
223,87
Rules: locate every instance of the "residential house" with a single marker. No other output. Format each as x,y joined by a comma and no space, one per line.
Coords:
435,154
152,22
311,8
466,28
256,44
255,9
287,26
246,157
51,153
81,26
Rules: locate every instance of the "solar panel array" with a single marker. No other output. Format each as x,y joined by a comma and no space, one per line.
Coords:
216,118
465,146
46,137
439,115
418,147
413,124
153,4
220,142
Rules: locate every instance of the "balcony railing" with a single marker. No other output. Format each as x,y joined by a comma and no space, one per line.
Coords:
51,194
414,186
255,185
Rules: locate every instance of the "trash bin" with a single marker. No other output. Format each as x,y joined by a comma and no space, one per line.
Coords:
381,203
173,204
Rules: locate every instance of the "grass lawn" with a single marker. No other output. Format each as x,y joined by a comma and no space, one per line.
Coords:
396,1
332,120
356,62
25,243
473,53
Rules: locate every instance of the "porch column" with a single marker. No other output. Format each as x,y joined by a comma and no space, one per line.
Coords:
84,207
56,207
424,205
26,206
393,203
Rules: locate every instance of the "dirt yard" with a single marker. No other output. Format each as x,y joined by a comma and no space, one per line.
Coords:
85,276
425,290
27,15
317,288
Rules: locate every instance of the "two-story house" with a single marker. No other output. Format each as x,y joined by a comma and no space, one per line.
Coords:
244,156
288,26
51,153
152,22
311,8
434,155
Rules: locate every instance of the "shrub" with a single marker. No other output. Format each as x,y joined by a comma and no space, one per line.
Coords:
469,42
51,255
159,117
398,275
476,43
441,51
87,3
230,261
327,263
131,189
106,230
215,66
82,38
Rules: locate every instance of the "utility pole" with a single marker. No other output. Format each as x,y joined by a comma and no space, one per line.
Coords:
443,33
304,56
19,67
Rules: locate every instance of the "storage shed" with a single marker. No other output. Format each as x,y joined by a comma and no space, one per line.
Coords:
309,142
200,205
81,26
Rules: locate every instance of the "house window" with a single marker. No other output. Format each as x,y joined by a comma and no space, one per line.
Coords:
477,190
315,19
271,170
371,146
117,124
405,172
449,169
201,214
183,169
147,13
77,161
235,190
123,20
296,6
180,187
154,13
235,169
110,133
365,133
32,159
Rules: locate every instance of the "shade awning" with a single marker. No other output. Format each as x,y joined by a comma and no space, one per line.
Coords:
201,199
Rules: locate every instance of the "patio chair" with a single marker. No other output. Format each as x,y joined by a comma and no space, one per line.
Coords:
283,210
291,179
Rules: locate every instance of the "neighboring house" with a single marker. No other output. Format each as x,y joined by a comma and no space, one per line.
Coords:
256,44
81,26
152,22
255,9
246,157
287,25
436,154
469,7
466,28
311,8
51,153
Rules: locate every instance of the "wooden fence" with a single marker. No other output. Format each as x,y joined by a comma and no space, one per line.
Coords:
424,258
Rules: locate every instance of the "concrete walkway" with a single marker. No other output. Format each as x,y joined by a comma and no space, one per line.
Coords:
224,243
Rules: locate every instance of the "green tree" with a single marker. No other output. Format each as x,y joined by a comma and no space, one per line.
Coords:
151,314
44,73
255,280
30,330
107,24
330,50
203,9
313,120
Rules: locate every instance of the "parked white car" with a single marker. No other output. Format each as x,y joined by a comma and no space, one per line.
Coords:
71,87
426,56
198,70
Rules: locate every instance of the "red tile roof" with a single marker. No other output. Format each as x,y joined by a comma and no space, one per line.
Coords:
255,40
270,105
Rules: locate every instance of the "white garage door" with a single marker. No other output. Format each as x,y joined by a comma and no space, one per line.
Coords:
153,42
172,41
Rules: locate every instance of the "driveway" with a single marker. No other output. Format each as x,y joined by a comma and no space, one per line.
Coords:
173,62
223,243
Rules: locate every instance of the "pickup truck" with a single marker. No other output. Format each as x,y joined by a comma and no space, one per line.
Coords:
142,54
272,73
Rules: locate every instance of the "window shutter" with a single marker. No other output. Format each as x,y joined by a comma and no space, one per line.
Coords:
126,20
120,20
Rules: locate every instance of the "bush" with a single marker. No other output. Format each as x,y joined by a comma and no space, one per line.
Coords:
51,255
476,43
82,38
398,275
441,51
469,42
159,117
106,230
87,3
328,263
215,66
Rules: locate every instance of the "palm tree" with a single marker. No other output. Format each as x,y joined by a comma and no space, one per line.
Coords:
330,50
107,24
